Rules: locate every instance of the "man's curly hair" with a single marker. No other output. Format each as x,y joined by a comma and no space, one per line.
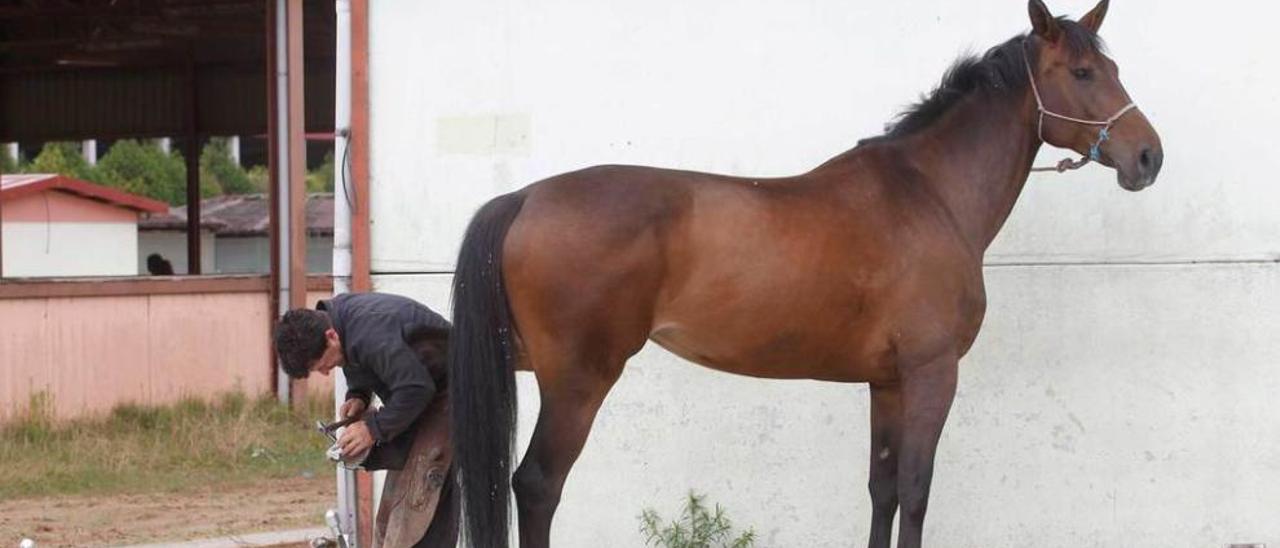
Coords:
300,340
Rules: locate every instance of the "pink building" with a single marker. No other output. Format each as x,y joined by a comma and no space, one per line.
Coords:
59,226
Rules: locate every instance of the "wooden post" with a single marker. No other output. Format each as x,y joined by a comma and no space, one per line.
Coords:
361,262
297,170
192,153
359,146
360,240
273,180
15,159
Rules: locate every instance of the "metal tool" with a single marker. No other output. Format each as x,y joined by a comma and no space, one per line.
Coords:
343,540
334,453
330,429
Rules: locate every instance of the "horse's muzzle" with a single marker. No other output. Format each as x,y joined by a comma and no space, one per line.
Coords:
1140,171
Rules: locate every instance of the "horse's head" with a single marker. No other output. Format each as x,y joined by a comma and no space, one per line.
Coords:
1082,105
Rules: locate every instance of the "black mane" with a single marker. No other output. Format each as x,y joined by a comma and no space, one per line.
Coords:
1000,71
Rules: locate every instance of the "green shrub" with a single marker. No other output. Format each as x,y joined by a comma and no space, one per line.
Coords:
259,178
320,179
697,527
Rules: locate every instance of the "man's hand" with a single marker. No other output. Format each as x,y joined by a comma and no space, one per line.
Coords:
355,440
353,407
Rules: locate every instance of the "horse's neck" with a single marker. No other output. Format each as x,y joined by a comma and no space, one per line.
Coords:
976,158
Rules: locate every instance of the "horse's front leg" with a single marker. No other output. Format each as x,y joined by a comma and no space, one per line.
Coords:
927,391
886,444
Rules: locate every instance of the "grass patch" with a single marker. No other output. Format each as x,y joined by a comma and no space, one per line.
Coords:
234,439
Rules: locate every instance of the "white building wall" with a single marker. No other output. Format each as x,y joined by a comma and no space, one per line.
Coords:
243,255
70,249
1122,390
253,254
319,254
172,245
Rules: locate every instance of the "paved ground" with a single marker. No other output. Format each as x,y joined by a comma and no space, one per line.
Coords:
275,505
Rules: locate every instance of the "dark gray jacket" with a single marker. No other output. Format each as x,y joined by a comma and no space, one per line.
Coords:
370,327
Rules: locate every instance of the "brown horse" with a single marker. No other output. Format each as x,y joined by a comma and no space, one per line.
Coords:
866,269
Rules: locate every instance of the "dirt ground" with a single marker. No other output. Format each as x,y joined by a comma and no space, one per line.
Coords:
270,505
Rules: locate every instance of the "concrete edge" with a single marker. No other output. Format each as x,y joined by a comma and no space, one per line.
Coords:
270,538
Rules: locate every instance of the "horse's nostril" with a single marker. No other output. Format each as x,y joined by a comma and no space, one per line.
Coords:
1145,159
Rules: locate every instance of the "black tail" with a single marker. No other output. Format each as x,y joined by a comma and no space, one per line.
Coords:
482,384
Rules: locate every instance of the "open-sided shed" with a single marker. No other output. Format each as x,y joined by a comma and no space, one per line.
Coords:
184,70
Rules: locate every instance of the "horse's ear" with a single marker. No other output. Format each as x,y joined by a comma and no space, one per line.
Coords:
1093,19
1042,22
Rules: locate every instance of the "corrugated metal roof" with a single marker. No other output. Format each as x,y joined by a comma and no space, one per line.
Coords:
243,215
80,104
95,70
101,104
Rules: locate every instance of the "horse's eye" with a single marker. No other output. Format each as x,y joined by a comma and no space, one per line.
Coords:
1082,73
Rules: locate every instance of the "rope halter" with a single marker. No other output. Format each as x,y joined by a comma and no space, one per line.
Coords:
1095,150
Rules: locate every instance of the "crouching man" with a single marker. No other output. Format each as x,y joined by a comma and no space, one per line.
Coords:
396,348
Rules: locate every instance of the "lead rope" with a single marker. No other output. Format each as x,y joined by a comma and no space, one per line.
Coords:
1095,151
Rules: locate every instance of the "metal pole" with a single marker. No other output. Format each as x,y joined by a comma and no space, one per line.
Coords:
282,176
346,479
233,146
89,149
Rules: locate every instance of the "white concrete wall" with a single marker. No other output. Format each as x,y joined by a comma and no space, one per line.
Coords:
70,249
1121,394
1096,410
172,245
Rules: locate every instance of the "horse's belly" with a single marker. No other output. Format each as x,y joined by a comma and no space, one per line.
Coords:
811,328
800,352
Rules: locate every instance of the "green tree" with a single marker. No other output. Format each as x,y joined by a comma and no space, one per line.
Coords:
63,158
142,168
320,179
218,169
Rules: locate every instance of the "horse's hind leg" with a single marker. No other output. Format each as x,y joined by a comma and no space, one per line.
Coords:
927,391
886,444
569,405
